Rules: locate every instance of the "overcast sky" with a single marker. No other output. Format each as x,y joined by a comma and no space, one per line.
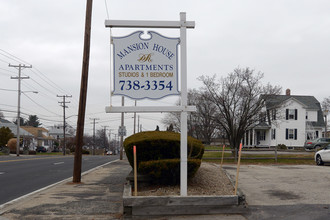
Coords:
287,40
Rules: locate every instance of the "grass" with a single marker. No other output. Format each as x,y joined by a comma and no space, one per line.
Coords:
293,159
208,147
50,153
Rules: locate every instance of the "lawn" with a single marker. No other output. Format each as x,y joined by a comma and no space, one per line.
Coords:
215,156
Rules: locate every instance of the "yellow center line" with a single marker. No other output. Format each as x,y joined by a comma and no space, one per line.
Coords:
39,158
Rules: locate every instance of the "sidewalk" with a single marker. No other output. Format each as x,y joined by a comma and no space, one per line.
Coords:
99,196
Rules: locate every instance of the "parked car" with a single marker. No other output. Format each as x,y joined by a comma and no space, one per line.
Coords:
323,156
316,144
41,149
109,153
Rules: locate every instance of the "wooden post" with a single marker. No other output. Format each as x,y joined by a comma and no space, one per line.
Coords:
238,166
223,152
135,171
83,95
275,154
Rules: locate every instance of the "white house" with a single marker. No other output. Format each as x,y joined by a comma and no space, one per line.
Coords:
289,120
41,137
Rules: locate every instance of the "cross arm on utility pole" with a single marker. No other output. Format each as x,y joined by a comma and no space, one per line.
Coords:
63,104
19,78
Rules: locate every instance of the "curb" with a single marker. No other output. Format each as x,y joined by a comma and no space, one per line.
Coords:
178,205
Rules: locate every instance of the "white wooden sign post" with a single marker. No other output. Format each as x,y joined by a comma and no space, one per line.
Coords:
148,68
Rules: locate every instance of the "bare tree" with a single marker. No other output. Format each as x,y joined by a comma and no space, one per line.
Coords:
238,101
102,139
325,108
326,103
200,123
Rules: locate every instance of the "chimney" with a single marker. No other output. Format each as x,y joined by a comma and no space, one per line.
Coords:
287,92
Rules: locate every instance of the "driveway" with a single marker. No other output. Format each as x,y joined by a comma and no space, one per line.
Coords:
286,192
283,184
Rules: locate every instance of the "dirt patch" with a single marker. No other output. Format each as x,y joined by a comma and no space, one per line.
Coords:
209,180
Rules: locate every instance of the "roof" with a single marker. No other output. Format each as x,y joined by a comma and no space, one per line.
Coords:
309,102
13,128
35,131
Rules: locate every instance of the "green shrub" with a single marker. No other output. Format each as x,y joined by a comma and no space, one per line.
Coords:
168,171
159,152
85,151
281,147
157,145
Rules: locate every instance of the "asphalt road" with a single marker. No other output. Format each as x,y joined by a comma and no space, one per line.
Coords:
25,174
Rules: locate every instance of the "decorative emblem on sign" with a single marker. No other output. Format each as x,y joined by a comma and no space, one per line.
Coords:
145,68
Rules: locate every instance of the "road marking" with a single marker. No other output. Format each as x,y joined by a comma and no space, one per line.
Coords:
39,158
58,163
2,173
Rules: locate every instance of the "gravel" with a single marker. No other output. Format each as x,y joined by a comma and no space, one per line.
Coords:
210,179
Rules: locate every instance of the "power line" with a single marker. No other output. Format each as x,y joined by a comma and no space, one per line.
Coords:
40,105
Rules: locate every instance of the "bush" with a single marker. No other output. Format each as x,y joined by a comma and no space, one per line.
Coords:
32,152
85,151
159,152
157,145
168,171
281,147
12,144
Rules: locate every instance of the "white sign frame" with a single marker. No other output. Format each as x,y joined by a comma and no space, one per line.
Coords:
183,108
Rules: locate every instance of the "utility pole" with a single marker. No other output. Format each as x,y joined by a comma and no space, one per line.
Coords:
83,95
122,125
19,67
115,146
94,119
110,139
105,136
64,123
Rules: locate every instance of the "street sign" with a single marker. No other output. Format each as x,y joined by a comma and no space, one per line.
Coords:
122,131
145,68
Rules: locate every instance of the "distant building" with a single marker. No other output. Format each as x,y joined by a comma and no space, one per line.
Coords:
287,119
13,128
41,137
56,131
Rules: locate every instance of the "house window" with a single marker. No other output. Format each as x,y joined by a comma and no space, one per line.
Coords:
306,115
316,134
273,114
291,114
261,135
273,134
291,134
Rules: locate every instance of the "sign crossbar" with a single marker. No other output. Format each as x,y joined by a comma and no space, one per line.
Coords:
148,24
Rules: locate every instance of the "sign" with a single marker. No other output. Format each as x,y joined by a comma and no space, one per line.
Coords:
122,131
145,68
